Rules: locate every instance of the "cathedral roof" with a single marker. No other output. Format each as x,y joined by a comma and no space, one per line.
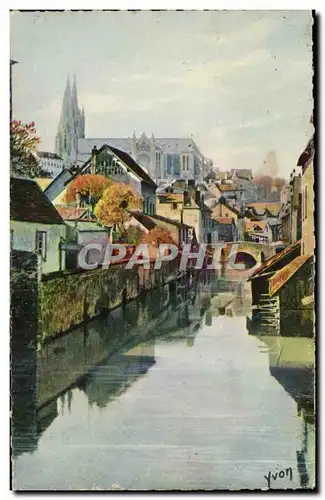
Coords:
167,145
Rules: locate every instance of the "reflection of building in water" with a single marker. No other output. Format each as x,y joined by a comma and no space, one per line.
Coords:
113,377
291,363
231,298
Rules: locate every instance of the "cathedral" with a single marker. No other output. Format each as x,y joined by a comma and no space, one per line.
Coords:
163,158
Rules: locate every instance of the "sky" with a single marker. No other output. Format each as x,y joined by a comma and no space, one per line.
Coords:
239,82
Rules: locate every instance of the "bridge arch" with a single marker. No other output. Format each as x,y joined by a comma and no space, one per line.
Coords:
258,251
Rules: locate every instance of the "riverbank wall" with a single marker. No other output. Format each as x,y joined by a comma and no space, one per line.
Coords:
58,302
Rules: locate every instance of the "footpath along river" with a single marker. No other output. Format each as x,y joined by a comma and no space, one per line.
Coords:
196,404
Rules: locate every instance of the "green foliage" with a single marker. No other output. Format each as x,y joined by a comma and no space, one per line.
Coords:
23,142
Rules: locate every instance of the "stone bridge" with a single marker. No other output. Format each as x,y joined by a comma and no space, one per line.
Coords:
246,251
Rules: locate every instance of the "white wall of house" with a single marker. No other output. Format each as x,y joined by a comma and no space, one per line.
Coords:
23,237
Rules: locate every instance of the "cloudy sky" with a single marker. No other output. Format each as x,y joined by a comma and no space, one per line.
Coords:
239,81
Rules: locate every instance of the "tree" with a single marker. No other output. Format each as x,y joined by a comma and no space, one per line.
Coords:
23,142
264,184
278,183
89,186
112,207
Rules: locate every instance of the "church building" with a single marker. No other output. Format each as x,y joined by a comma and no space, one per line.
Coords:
163,158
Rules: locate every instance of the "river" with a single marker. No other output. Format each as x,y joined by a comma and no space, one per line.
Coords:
186,400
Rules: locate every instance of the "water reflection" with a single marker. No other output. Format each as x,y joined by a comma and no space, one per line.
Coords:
292,364
170,392
113,377
93,357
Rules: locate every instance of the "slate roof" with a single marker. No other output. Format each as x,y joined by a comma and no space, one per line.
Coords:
283,275
168,145
28,203
151,221
273,207
143,219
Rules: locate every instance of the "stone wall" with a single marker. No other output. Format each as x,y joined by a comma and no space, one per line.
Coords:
68,299
24,277
24,271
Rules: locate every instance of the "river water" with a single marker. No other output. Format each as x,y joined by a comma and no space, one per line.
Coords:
187,400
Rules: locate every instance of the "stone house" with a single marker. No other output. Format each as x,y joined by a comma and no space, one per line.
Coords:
113,164
222,209
35,224
227,190
258,231
189,208
306,162
226,228
269,211
82,228
180,232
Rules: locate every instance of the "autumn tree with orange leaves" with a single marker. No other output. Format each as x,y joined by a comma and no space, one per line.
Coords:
113,207
23,142
89,187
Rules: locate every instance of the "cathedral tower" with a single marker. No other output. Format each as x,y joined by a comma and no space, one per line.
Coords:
71,125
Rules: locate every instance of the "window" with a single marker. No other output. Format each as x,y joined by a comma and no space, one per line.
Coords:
41,244
174,206
305,202
187,162
158,161
183,162
11,238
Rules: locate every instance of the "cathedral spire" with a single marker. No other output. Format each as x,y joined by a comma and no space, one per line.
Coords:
66,104
74,96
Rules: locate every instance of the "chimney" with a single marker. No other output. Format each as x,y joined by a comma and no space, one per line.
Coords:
186,199
93,160
198,197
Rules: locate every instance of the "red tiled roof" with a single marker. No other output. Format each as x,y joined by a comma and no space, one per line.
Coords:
224,220
71,213
269,262
282,276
